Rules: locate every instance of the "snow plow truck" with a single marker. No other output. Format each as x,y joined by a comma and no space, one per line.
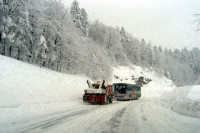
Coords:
98,93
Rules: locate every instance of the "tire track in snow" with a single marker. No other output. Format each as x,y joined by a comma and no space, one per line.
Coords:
50,122
115,121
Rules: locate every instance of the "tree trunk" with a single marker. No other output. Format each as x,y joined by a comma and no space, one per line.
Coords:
43,64
10,51
4,49
0,37
18,56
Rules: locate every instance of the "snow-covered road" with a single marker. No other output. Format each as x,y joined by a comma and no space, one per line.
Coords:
136,116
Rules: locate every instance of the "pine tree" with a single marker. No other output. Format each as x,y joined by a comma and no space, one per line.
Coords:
123,34
84,21
76,13
75,10
80,17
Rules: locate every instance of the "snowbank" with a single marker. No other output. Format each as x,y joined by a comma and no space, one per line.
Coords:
26,89
184,100
194,93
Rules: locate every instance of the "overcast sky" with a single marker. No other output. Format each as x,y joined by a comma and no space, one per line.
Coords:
168,23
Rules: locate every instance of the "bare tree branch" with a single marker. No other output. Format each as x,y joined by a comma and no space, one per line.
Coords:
197,20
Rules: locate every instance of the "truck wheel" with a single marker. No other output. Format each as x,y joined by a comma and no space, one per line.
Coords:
84,98
110,100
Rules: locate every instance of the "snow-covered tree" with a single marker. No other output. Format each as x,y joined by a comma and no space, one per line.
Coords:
79,17
84,21
123,34
75,12
16,30
156,59
144,53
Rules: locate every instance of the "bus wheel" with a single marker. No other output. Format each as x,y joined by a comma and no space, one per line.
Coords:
129,97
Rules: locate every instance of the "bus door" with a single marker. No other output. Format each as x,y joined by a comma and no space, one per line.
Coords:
135,93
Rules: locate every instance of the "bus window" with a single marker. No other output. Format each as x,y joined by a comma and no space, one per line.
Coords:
138,88
122,90
131,88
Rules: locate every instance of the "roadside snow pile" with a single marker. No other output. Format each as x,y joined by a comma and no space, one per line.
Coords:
155,88
184,100
26,89
194,93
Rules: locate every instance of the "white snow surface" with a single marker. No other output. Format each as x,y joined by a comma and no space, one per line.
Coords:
26,89
3,35
11,36
194,93
184,100
46,100
9,21
43,41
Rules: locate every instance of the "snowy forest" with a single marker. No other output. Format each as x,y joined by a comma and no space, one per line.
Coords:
48,34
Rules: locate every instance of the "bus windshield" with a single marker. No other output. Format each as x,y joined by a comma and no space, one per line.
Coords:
120,88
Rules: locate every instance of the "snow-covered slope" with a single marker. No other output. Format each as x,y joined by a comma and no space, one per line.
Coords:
26,89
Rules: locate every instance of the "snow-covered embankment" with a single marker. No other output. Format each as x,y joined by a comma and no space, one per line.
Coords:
184,100
26,89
